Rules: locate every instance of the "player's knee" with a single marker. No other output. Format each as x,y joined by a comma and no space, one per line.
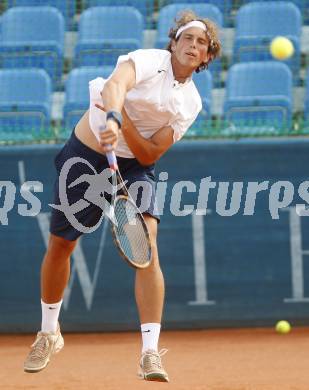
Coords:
152,226
60,245
155,263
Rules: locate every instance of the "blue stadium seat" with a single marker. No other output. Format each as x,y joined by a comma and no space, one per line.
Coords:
166,21
258,23
66,7
25,99
203,83
107,32
303,6
33,37
77,94
306,113
258,98
145,7
224,6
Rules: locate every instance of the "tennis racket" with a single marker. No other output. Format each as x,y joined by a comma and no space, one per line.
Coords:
128,226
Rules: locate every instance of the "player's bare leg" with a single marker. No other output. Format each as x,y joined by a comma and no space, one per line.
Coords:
149,294
55,271
149,282
55,274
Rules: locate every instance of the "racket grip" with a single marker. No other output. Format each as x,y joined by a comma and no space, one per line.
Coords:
111,156
112,160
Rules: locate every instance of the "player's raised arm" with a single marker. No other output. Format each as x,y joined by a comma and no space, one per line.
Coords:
116,88
113,96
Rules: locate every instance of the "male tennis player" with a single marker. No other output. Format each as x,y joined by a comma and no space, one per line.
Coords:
149,102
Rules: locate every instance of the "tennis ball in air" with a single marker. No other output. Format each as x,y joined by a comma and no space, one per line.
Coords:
283,327
281,48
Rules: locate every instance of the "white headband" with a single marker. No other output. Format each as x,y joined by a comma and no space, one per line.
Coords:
194,23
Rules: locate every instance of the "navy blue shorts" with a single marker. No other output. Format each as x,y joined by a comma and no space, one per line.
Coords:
90,215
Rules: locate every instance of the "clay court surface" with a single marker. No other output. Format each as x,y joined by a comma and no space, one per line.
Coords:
242,359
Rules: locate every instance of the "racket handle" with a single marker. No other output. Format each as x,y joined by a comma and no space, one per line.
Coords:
112,160
111,156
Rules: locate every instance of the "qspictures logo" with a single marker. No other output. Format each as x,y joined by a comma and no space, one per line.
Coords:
232,198
99,187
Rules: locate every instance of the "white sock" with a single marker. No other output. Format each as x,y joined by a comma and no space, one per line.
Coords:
150,336
50,314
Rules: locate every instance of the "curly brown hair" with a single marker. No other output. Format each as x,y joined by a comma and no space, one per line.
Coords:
212,33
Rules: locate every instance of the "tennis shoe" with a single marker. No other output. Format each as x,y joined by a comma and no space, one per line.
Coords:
151,368
45,345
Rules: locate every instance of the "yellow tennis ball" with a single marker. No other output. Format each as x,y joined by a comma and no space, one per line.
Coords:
283,327
281,48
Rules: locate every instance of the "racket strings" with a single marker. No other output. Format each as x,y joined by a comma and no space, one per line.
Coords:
130,232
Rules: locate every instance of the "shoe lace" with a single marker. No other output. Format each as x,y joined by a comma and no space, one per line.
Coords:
39,348
154,358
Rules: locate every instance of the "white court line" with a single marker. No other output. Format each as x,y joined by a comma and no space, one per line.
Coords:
22,178
21,172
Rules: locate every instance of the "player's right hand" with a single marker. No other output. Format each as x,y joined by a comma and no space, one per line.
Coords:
109,137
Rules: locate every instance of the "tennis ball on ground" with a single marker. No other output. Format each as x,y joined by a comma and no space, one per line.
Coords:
281,48
283,327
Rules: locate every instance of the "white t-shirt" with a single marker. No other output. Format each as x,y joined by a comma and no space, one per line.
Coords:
157,99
